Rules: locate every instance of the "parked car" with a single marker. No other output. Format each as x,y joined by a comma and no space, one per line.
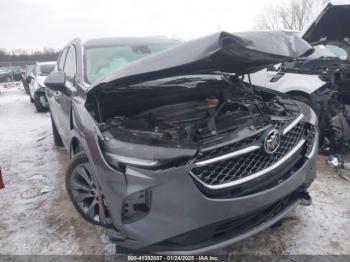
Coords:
172,149
5,76
37,92
322,79
9,75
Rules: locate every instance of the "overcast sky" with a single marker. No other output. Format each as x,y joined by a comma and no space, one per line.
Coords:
34,24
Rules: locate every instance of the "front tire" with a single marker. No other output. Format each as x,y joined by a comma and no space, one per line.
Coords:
38,104
85,192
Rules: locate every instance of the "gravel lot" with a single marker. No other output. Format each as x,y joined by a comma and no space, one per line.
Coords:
36,216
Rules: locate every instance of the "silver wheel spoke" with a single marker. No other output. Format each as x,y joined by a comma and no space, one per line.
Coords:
87,195
83,196
91,210
78,186
83,174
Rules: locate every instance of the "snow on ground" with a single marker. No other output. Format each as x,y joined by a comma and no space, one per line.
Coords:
35,222
31,222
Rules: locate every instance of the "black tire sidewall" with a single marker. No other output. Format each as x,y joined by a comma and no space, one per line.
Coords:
39,107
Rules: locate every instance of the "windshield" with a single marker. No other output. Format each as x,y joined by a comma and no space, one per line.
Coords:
339,51
331,50
100,61
45,70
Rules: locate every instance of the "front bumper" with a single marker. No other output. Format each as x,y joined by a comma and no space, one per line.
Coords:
179,207
233,230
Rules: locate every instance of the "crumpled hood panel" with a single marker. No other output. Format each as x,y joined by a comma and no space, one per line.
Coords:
232,53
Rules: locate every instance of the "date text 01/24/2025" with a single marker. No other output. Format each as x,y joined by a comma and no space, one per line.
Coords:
172,258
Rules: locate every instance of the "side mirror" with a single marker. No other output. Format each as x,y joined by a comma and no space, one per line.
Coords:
56,81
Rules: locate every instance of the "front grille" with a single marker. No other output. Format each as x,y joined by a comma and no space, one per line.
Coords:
234,146
243,166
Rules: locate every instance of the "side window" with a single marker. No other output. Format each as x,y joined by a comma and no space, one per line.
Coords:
62,59
70,68
37,70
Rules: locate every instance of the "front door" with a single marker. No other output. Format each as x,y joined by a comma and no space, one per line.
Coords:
64,99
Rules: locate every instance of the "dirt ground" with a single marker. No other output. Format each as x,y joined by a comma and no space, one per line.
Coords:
36,216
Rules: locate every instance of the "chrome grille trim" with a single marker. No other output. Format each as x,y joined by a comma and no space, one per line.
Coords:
293,124
314,145
227,156
256,175
247,149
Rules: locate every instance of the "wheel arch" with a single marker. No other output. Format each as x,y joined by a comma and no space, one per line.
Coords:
298,93
76,143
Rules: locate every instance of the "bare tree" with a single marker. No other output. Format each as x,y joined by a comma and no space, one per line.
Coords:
16,55
291,14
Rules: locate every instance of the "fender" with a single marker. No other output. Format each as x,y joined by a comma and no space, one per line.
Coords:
305,83
297,82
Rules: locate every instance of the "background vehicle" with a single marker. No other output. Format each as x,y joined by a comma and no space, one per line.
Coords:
158,140
27,71
5,76
37,87
321,80
9,75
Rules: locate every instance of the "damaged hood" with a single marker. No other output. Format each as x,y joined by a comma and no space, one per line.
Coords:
333,24
238,53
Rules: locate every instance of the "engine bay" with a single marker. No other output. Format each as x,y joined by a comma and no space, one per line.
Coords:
188,113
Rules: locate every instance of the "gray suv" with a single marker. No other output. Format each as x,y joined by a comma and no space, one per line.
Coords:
171,149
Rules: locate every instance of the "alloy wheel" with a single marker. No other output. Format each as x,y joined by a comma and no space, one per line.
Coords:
88,196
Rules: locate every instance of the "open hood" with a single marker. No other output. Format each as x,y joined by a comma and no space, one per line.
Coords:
238,53
333,24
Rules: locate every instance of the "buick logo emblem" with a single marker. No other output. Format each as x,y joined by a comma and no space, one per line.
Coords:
272,141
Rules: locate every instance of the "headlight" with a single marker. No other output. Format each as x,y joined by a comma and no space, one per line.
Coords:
115,160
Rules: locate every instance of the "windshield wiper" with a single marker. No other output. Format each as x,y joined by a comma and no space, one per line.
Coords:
184,80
